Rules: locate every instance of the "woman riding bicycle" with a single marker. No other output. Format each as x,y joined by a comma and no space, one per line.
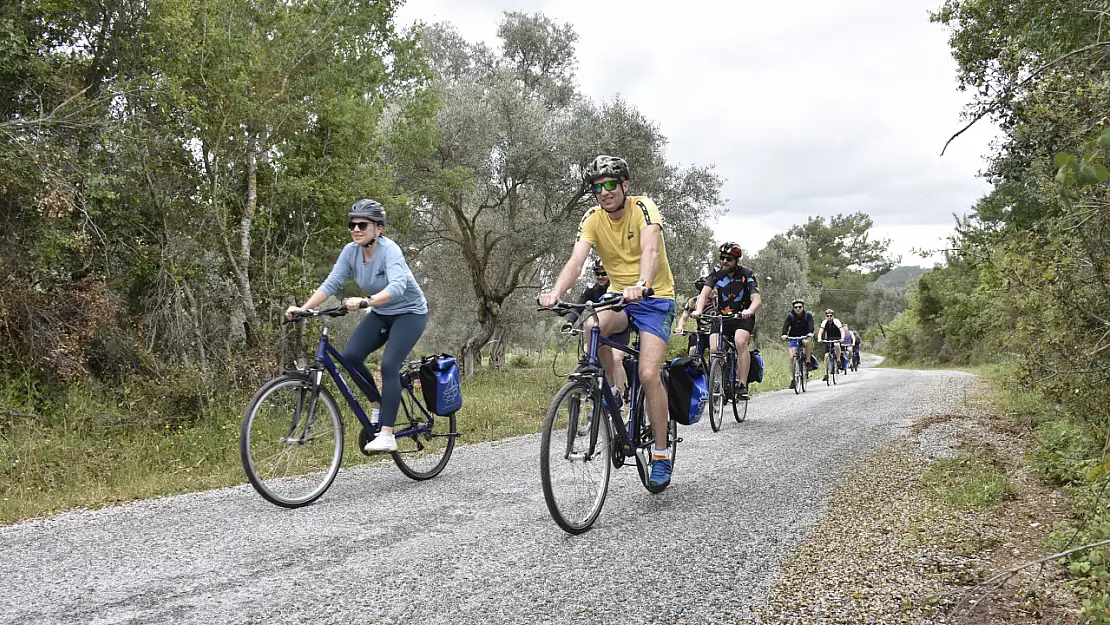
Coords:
398,310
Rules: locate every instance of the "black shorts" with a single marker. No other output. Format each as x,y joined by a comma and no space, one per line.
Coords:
623,336
700,341
732,325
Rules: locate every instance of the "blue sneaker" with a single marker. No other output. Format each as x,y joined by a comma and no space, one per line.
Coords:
660,474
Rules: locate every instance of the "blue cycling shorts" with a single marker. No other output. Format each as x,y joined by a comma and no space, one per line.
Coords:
654,315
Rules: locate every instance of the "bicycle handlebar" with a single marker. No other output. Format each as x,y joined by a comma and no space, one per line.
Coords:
797,338
335,311
592,308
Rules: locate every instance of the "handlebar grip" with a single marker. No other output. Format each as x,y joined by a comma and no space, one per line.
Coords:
648,292
364,304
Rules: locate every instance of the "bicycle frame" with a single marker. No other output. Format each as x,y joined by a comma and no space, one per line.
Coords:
326,358
595,372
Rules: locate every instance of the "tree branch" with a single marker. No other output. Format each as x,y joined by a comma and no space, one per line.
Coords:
1010,90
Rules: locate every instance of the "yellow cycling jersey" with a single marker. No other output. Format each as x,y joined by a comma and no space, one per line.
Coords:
618,244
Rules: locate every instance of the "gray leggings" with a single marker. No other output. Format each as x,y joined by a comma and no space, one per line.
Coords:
399,334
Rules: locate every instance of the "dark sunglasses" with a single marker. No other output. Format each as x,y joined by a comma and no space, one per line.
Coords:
608,185
361,226
601,275
728,258
829,316
799,307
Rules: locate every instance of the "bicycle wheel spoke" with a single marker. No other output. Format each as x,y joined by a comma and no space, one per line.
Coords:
575,480
290,456
425,443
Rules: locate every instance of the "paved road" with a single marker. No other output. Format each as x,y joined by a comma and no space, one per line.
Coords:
476,545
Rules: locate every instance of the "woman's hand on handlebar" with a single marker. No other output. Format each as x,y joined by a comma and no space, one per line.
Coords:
547,300
293,311
354,303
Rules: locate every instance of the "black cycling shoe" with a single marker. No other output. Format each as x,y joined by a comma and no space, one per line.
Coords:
742,392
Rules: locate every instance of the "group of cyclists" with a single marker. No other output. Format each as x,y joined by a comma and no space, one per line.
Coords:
626,232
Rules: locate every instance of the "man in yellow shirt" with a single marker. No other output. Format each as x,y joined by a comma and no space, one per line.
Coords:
627,231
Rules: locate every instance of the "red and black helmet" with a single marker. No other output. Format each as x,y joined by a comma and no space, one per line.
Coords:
731,249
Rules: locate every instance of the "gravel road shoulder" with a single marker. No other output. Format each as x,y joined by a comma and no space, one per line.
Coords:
887,550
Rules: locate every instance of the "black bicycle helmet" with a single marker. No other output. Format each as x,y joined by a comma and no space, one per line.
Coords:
368,209
699,284
598,266
612,166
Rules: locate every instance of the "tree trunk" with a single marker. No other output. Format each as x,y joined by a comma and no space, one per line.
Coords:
489,324
497,346
198,332
245,222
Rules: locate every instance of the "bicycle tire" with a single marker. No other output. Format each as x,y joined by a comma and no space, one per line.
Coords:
796,372
273,489
740,412
716,395
557,504
433,445
830,369
645,440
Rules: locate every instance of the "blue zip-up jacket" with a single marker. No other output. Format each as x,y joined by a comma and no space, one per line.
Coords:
386,270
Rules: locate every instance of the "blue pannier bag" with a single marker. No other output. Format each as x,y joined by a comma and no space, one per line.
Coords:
755,371
439,381
687,389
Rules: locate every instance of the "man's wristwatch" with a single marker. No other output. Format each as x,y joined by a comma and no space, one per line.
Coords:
643,283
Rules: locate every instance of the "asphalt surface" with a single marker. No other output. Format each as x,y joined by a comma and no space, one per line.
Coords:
476,544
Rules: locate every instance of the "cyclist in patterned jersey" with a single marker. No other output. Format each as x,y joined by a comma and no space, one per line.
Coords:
698,342
627,231
737,292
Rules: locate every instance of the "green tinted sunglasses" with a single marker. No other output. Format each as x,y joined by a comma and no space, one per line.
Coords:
608,185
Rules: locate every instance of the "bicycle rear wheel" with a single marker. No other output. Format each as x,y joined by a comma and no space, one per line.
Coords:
422,456
716,395
740,410
645,441
575,482
290,442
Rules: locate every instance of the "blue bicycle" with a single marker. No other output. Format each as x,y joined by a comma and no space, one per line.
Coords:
291,438
587,432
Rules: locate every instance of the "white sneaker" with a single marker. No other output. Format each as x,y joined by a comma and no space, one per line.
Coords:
382,442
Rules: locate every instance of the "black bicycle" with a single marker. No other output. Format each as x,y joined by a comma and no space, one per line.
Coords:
799,367
722,375
714,406
291,438
577,454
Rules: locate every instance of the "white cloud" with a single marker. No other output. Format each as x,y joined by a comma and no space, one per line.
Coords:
819,109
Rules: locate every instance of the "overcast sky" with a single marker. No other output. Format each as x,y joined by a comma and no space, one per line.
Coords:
816,109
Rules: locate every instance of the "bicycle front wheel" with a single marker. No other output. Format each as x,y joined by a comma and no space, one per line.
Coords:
716,395
424,440
797,373
830,369
291,441
575,481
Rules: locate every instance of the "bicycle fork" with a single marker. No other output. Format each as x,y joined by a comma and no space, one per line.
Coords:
313,398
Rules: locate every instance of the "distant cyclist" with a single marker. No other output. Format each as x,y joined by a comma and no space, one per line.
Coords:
799,322
737,292
830,331
847,345
701,341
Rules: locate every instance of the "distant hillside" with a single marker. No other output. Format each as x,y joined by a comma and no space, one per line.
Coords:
900,276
